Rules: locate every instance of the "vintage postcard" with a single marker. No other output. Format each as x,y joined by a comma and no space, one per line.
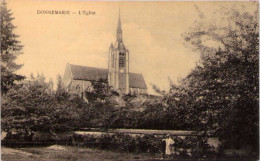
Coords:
129,80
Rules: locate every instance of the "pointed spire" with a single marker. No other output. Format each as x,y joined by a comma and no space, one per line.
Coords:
119,28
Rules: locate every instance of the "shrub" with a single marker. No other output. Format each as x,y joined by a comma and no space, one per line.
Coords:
194,146
32,107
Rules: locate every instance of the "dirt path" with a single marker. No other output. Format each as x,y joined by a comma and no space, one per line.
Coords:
8,151
67,153
10,154
73,153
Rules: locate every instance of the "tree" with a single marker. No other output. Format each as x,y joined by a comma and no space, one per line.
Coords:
100,105
31,107
61,94
99,92
10,49
223,88
60,87
24,107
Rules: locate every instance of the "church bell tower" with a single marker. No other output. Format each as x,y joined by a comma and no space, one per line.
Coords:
118,63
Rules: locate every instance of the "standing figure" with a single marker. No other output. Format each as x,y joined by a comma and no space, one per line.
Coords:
163,145
168,143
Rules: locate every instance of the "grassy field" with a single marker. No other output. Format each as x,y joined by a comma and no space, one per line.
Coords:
74,153
70,153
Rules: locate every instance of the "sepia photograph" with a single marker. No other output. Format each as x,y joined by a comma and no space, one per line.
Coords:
86,80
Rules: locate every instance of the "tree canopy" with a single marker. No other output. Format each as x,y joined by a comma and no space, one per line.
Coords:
223,87
10,49
32,107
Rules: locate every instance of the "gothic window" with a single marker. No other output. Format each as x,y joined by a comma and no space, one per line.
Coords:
113,62
69,87
121,59
77,88
87,89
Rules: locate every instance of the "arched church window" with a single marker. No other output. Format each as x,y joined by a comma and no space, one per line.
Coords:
87,89
77,87
113,62
121,59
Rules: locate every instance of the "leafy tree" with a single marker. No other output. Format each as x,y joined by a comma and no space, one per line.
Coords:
223,88
10,49
61,94
32,107
60,87
23,105
99,91
178,103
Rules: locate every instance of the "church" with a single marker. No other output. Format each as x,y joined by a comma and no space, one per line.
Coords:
77,79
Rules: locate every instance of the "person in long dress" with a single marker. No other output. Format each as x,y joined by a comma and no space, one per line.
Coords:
168,145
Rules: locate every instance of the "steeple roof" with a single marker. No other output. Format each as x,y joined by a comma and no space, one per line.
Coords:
119,41
119,28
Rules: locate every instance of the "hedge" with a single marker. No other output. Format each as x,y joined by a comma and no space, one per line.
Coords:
189,146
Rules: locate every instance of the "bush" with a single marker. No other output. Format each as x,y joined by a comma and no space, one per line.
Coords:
190,146
33,107
195,146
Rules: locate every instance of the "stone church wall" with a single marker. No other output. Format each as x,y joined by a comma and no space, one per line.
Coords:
79,86
136,91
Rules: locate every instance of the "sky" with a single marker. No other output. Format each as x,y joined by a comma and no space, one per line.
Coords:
152,32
